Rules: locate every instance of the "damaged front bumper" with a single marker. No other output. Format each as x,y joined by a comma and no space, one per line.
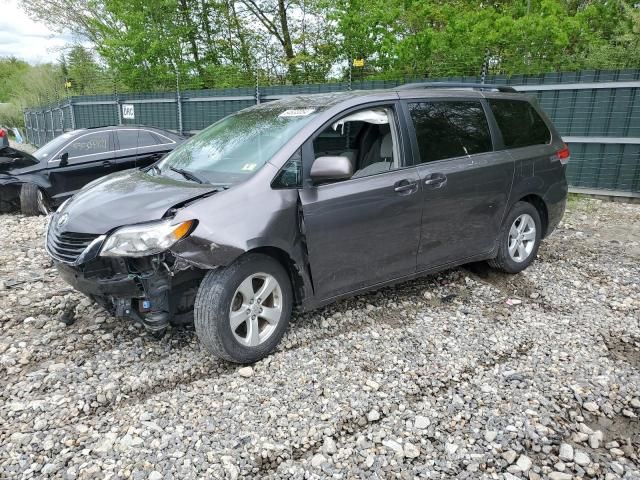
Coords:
155,290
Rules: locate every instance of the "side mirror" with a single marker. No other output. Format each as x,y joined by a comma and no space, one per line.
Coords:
329,169
64,159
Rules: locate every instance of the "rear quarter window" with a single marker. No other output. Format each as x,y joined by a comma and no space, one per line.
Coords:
520,124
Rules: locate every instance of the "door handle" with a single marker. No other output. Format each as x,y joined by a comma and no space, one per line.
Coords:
405,187
436,180
107,164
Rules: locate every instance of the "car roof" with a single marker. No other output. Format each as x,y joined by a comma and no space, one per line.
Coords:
121,127
324,101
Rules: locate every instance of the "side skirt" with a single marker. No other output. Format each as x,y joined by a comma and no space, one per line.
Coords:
312,303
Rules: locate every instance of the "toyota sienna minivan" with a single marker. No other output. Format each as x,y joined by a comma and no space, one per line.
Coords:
299,202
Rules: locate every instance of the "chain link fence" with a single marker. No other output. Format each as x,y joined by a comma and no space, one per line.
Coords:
596,111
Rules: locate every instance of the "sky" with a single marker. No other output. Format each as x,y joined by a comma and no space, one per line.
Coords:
25,39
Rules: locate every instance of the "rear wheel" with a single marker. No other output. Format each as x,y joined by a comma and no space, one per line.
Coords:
242,311
33,200
519,239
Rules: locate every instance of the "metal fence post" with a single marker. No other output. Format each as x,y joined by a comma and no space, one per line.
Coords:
53,127
119,108
72,115
485,66
26,129
179,104
257,87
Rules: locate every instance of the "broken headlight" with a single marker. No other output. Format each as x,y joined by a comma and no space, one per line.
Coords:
145,239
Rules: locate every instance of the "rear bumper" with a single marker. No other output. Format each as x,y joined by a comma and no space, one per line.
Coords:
556,202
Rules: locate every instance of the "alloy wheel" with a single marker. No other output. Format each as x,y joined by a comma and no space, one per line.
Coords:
522,237
256,309
42,204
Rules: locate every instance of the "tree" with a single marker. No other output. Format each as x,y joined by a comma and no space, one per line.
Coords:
84,74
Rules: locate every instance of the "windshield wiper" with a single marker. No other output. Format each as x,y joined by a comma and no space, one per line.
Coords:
187,174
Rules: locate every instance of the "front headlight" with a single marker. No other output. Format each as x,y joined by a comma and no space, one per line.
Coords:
146,239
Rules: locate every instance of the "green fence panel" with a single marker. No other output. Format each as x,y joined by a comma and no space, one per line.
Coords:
591,112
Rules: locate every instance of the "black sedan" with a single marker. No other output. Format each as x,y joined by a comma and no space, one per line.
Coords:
40,182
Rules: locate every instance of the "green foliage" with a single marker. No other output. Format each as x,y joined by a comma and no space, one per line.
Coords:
150,45
22,85
82,72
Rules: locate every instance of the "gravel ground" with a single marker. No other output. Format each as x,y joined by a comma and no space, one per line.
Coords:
468,374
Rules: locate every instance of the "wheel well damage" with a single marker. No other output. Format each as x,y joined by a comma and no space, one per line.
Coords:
296,276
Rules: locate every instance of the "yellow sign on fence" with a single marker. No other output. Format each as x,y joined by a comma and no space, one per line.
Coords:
358,62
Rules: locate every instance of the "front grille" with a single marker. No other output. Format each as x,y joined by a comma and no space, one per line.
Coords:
67,246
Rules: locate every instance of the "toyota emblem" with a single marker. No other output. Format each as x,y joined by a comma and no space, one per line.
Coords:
62,220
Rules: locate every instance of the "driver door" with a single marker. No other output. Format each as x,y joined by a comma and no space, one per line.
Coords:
364,230
91,156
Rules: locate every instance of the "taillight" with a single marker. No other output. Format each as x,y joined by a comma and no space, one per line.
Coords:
563,155
2,133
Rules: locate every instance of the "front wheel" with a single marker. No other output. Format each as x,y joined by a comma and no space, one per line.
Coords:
519,239
33,200
242,311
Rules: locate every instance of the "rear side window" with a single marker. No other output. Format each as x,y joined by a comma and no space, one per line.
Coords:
520,124
127,139
448,129
146,139
135,139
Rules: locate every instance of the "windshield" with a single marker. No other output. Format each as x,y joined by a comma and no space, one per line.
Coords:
49,149
235,148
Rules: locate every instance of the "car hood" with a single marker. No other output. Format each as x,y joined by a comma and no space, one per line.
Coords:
126,198
15,162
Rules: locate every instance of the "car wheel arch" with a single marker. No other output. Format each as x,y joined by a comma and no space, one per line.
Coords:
538,202
293,269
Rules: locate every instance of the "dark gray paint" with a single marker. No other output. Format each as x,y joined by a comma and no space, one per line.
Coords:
345,237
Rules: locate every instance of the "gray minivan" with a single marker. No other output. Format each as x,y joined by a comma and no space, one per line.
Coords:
298,202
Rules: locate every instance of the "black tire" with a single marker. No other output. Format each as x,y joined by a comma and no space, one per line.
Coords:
503,260
213,304
29,204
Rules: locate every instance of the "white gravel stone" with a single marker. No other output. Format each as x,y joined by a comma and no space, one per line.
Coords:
451,448
421,422
581,458
373,416
510,456
393,445
490,435
566,452
330,446
560,476
490,386
617,468
591,406
410,450
155,475
317,460
524,463
595,439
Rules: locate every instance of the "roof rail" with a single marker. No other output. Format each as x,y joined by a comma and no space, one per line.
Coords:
474,86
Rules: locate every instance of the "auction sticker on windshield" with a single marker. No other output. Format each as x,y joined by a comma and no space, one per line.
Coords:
297,112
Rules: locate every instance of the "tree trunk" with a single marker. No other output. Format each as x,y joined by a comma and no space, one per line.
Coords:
286,42
191,36
245,54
